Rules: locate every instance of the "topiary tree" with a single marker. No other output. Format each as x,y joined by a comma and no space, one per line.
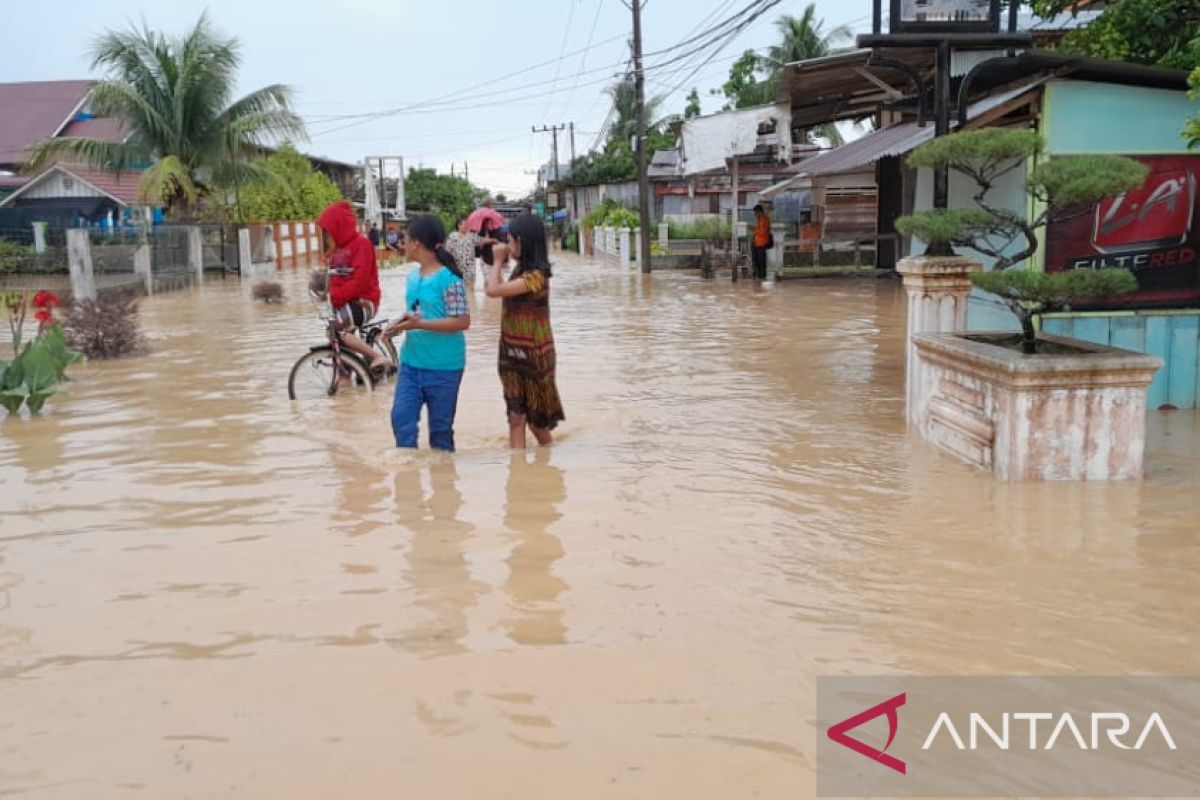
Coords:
1063,187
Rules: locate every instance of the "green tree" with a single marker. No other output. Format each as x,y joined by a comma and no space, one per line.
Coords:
750,83
294,190
616,161
754,79
692,109
1063,187
803,37
175,98
1163,32
449,197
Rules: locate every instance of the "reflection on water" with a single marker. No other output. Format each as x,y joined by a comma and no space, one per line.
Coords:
535,489
206,591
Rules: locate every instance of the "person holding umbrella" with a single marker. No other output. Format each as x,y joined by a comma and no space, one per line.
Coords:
487,222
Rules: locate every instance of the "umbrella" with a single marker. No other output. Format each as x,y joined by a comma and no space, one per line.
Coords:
485,214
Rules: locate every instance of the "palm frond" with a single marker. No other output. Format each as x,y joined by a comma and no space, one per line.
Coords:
116,156
168,182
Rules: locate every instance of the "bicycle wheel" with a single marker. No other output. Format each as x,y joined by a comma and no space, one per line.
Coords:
313,376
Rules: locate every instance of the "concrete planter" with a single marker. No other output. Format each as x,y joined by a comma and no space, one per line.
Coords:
1077,415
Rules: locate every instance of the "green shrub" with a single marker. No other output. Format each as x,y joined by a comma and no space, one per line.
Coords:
13,255
712,230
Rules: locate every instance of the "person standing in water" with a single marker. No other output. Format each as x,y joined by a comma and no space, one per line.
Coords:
434,353
762,242
527,358
461,244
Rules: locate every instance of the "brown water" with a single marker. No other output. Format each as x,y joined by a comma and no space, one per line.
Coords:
208,592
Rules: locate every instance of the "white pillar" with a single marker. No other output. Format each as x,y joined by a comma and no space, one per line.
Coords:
637,246
244,256
664,233
623,246
142,266
79,260
775,254
579,237
938,288
39,237
195,241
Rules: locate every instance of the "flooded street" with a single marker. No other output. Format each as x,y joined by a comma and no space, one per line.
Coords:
206,591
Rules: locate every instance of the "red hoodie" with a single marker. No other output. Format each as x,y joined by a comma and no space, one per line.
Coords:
354,252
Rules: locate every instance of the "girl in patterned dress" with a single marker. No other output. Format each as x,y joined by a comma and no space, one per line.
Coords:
527,360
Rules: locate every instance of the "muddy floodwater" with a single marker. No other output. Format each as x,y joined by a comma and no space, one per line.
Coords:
206,591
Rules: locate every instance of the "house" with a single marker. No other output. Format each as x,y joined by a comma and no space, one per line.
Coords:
69,194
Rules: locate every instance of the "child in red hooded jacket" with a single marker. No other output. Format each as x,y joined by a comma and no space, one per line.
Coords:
355,294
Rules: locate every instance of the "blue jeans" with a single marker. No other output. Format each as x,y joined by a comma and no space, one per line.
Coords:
435,388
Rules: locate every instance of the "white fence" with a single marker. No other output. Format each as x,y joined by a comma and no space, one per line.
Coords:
618,244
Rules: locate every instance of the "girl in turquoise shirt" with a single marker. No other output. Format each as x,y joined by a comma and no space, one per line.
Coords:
434,353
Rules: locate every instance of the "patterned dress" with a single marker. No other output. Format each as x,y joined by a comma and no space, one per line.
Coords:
527,360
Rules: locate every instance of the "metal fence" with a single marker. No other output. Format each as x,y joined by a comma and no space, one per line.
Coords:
19,255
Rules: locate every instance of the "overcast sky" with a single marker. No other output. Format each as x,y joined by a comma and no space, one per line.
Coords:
356,57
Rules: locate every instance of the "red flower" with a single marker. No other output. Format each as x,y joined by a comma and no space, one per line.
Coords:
44,316
45,299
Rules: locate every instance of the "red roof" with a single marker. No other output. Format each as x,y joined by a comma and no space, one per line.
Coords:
34,111
123,186
10,182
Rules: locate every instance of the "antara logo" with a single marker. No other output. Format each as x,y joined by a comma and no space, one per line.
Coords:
838,733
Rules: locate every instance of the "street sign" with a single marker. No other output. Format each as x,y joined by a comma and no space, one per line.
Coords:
944,16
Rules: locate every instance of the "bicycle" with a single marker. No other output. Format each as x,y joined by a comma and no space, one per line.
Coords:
327,369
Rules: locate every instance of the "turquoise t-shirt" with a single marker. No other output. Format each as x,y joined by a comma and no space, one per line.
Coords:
436,296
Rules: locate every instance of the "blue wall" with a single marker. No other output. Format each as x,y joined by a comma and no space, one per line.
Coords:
1082,117
1173,337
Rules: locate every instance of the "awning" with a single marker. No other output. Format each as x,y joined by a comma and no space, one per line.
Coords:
897,140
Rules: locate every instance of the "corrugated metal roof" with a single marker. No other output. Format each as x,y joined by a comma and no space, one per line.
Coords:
894,141
33,111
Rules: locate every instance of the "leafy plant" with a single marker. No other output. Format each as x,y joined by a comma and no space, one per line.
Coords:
108,327
1160,32
13,255
1064,187
38,368
1191,131
712,230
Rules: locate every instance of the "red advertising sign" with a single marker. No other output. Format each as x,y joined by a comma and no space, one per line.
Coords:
1153,230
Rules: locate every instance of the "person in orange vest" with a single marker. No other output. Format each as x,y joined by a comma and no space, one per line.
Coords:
763,241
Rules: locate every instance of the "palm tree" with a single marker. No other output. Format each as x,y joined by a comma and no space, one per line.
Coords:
173,97
624,100
803,39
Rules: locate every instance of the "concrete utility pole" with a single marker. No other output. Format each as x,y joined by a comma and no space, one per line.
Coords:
574,195
639,85
553,131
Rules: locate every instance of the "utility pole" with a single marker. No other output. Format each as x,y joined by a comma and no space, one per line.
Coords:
574,194
553,131
639,84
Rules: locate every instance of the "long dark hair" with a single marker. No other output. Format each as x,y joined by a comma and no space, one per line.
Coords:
430,233
531,233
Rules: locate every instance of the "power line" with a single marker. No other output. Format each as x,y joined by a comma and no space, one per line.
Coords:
561,50
583,58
